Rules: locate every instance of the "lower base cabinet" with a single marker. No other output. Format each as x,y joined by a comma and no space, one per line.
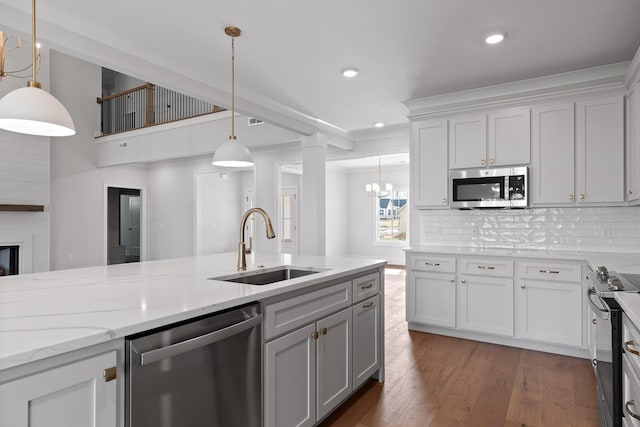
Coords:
549,311
485,304
366,340
73,395
308,371
431,298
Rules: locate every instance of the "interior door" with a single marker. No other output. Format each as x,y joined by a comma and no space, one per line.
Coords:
288,224
134,226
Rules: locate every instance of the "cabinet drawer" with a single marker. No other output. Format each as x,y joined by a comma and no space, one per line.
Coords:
550,271
284,316
366,286
631,344
486,267
432,263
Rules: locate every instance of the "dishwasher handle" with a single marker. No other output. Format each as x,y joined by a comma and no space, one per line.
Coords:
156,355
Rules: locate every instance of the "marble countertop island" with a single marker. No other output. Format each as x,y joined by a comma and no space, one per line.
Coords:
46,314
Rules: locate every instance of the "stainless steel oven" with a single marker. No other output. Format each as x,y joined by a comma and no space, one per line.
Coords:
489,188
608,342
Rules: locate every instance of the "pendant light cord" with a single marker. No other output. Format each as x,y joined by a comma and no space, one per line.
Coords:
233,86
33,39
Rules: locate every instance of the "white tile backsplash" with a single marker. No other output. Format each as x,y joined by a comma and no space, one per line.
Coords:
611,229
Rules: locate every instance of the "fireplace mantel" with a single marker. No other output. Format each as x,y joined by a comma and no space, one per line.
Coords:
21,208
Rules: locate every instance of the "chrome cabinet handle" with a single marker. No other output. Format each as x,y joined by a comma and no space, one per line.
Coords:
369,286
433,264
486,267
581,196
550,271
570,196
482,162
491,160
367,305
627,347
323,331
627,405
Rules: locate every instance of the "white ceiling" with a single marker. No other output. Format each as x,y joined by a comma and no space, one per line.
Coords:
386,161
291,52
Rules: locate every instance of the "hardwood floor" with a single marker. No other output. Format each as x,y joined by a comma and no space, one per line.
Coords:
437,381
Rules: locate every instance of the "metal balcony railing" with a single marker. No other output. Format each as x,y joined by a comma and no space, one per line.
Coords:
148,105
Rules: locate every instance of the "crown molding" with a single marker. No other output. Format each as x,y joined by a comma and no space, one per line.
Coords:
633,71
604,79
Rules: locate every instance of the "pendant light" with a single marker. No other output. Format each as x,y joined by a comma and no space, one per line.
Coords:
32,110
232,154
375,189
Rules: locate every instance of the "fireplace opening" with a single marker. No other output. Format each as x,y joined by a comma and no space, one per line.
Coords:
9,260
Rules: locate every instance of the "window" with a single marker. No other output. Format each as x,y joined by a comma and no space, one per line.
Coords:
392,217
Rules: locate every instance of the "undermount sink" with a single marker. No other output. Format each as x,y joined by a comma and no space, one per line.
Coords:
268,276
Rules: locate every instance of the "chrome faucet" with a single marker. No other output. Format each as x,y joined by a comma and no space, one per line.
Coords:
242,249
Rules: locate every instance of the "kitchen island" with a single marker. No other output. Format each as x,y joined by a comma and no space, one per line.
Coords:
53,319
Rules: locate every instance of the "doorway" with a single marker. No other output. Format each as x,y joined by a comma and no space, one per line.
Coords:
124,208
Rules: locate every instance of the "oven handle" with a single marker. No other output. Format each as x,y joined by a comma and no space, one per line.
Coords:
592,293
153,356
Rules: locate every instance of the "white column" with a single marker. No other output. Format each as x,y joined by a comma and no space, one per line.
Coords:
265,191
312,201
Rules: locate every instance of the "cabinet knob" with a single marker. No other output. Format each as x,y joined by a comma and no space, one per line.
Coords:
315,335
482,162
570,196
581,196
453,280
522,286
463,281
323,331
444,200
491,161
593,321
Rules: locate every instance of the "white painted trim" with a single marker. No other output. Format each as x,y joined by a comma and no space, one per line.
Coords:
633,71
105,215
24,241
165,127
607,79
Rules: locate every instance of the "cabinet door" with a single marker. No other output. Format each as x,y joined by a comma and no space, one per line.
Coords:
73,395
552,172
510,137
430,175
431,299
633,144
334,361
366,340
290,379
485,304
600,150
550,311
468,142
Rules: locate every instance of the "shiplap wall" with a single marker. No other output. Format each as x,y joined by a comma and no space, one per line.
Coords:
24,169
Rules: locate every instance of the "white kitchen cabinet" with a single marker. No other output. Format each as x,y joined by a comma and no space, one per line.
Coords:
77,394
431,298
600,150
549,311
485,304
633,144
468,142
366,336
429,172
334,361
290,379
509,141
552,174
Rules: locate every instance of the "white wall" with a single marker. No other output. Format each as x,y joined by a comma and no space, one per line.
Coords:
24,170
361,213
337,212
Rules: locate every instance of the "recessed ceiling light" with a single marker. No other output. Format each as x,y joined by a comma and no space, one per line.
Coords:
378,124
495,38
350,72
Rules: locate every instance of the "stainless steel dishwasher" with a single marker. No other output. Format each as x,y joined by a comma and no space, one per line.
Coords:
206,372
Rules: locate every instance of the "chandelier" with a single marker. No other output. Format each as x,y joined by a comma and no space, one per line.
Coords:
375,189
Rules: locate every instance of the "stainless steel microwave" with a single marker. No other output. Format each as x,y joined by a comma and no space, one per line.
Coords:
489,188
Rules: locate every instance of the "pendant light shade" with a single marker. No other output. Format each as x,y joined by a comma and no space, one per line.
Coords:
34,111
232,154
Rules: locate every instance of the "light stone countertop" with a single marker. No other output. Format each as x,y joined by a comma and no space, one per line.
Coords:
46,314
621,262
630,304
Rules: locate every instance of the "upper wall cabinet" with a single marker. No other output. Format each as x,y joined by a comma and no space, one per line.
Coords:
600,150
633,144
429,173
507,142
468,142
552,172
